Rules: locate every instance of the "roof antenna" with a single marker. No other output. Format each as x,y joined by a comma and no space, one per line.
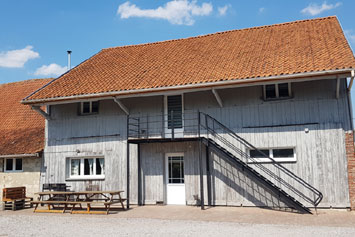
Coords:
69,53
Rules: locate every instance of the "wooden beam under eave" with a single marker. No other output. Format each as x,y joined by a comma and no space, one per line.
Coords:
338,88
41,112
351,80
122,106
218,98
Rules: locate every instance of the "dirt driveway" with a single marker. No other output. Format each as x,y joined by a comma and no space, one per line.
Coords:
179,221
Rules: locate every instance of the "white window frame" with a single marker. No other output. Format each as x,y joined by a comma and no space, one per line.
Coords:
13,165
90,107
271,154
277,97
167,155
82,166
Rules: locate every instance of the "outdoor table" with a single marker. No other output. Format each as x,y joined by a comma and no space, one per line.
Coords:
107,198
52,195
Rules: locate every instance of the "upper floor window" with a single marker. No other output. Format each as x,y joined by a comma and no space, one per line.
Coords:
89,107
278,154
277,91
13,164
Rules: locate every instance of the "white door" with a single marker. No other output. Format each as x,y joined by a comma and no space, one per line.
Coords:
174,116
175,179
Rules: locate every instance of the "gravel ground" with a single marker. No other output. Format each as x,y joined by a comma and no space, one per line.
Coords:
83,225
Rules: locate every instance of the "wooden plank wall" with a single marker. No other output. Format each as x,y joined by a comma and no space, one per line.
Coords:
320,161
320,153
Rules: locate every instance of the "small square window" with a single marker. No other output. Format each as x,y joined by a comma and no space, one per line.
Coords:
86,107
9,164
277,91
18,165
283,90
90,107
13,164
270,91
95,107
258,154
283,153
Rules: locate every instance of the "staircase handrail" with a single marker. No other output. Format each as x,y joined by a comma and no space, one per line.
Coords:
262,167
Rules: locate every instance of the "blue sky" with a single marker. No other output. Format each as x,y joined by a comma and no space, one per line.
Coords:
35,35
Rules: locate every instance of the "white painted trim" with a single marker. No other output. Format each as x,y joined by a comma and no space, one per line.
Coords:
182,185
279,160
20,155
218,98
121,105
87,177
277,91
351,80
297,77
167,155
337,88
82,176
41,112
13,165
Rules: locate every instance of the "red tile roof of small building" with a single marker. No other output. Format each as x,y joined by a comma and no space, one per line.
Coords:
282,49
21,128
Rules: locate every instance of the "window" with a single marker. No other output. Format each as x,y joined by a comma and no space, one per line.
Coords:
278,154
176,169
174,110
84,168
90,107
277,91
13,164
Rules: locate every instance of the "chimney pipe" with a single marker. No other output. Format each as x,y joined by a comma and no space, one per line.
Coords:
69,53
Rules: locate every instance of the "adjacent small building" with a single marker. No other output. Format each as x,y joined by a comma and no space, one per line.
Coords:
21,137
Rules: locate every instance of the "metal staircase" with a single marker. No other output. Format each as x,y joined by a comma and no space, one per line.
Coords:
289,188
222,139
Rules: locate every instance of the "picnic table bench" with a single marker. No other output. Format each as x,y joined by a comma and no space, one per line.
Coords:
15,198
70,200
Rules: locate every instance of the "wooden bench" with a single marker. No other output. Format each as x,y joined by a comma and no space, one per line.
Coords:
14,198
89,206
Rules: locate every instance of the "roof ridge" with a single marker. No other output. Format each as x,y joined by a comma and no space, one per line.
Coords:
222,32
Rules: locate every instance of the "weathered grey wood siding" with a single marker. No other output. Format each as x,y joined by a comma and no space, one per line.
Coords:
320,153
321,161
312,102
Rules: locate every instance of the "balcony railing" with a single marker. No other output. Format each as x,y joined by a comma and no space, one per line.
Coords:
163,125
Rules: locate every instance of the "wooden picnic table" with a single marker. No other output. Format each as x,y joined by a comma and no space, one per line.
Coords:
90,198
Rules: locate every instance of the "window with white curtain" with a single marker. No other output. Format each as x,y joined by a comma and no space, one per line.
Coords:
86,167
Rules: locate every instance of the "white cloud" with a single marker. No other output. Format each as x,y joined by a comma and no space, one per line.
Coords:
50,70
316,9
261,9
17,58
179,12
223,10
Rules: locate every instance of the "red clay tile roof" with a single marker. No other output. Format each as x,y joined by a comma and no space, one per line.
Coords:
21,129
288,48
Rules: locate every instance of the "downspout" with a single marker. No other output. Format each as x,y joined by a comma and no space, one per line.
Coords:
349,100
